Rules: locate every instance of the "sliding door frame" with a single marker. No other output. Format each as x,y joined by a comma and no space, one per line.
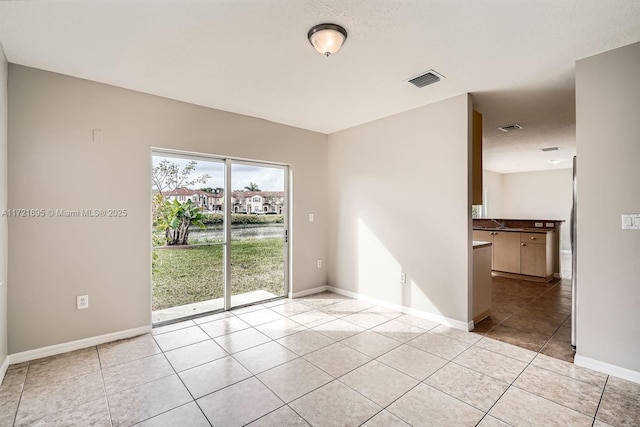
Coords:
228,161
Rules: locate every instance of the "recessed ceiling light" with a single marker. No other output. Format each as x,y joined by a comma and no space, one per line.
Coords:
549,149
509,128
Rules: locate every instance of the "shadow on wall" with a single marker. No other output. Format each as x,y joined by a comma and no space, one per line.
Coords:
379,269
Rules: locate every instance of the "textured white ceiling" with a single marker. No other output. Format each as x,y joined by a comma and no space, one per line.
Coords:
252,57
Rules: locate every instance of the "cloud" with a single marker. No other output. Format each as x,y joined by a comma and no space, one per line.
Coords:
268,178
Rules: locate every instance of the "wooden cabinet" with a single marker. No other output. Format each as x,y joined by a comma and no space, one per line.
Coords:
533,259
481,289
536,254
476,158
506,251
521,253
484,236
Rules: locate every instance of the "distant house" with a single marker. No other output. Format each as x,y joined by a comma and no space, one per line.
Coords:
257,201
209,202
241,201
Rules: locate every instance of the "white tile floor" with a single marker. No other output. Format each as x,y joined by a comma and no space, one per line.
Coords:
323,360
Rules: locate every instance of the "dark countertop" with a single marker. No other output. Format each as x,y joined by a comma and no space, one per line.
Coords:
517,225
519,219
513,229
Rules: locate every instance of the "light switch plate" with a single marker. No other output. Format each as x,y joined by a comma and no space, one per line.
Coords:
98,135
631,221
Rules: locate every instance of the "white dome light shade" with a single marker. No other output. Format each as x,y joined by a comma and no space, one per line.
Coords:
327,38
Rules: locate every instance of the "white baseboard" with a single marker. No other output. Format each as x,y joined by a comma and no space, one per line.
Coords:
607,368
3,368
308,292
457,324
52,350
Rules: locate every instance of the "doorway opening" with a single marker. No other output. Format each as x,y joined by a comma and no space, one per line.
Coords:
219,234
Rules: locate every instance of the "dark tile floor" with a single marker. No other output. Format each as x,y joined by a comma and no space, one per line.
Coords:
535,316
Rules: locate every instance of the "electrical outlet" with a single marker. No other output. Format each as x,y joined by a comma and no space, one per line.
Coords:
311,217
403,278
550,224
82,302
538,224
319,263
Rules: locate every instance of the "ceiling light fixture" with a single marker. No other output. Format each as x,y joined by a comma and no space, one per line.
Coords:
327,38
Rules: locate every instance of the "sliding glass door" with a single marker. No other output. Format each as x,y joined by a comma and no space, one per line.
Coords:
257,236
219,237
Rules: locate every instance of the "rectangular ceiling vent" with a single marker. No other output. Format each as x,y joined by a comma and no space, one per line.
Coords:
549,149
425,79
509,128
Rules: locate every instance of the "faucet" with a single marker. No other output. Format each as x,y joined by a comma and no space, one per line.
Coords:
500,224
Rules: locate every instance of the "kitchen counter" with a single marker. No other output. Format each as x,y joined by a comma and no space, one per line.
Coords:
477,244
529,225
527,230
521,251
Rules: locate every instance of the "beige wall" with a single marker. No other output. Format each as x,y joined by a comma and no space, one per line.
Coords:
53,163
399,201
492,182
607,131
3,205
540,195
532,195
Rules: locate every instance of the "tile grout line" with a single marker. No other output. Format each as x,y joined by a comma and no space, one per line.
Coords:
252,376
181,381
554,402
47,359
384,408
104,387
604,388
15,416
557,284
543,397
287,404
564,375
507,389
276,395
336,379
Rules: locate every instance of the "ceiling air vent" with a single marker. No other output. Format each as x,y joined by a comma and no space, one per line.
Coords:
549,149
425,79
509,128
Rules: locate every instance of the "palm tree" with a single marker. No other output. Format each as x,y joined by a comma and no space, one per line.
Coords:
252,187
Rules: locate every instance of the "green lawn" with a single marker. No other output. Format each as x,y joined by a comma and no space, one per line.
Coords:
187,275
